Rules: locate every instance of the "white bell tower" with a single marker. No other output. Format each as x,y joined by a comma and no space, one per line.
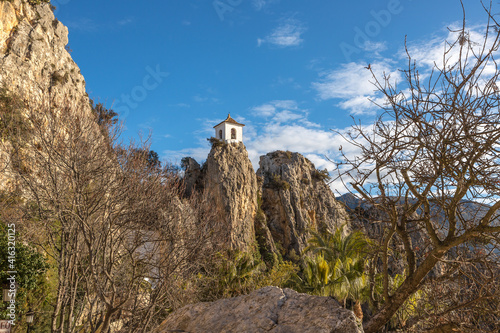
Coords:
229,130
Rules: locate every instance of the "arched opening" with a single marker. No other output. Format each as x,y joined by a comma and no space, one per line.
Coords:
233,133
220,134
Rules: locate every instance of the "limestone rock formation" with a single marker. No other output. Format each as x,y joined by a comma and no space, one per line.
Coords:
35,64
288,198
295,198
192,175
270,309
230,181
33,55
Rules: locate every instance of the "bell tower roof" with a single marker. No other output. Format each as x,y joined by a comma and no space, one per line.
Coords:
229,120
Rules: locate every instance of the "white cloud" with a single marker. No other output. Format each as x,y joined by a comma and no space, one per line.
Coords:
360,105
353,84
375,47
288,33
270,108
286,104
264,110
286,116
259,4
352,80
83,24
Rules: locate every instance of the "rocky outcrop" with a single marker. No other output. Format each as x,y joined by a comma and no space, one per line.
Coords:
33,55
230,182
35,65
270,309
295,199
192,175
288,198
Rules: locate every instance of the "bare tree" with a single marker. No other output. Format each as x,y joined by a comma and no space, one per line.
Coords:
430,169
123,239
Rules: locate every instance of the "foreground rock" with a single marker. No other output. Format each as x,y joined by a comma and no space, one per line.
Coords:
270,309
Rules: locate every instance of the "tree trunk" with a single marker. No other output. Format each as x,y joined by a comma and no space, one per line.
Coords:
357,310
409,286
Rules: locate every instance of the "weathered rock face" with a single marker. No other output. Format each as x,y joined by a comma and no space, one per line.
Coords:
230,181
289,198
295,198
35,64
192,175
270,309
33,55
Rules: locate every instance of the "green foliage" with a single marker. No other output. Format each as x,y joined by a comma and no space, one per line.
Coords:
270,258
335,265
231,274
59,79
214,142
31,268
37,2
104,116
316,276
409,307
339,244
13,126
321,175
140,157
238,273
278,183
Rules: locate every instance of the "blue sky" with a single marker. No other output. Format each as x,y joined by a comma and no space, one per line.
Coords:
290,70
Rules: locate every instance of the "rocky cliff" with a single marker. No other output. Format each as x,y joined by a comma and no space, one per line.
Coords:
270,309
230,182
287,198
33,55
295,199
35,64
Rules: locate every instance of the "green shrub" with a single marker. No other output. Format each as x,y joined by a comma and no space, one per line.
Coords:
236,273
31,268
278,183
13,126
321,175
59,79
216,142
37,2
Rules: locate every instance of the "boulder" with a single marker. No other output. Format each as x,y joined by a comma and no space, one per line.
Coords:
269,309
